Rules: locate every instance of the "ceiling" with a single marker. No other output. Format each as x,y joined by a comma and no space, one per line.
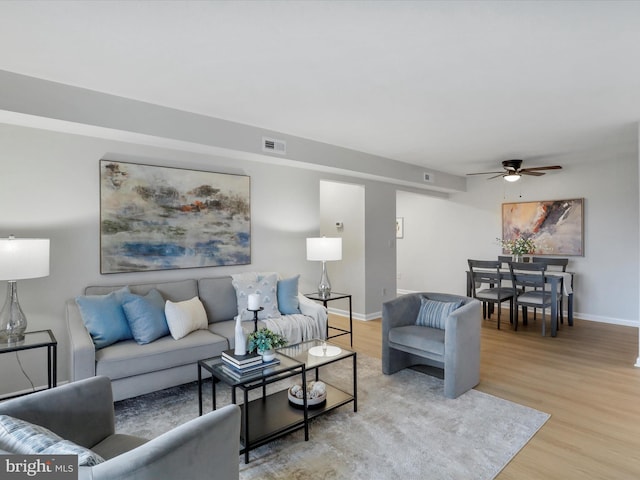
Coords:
454,86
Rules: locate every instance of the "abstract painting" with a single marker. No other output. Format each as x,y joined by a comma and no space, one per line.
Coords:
161,218
556,226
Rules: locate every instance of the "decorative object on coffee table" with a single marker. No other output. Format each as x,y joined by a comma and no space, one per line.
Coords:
240,340
264,341
316,395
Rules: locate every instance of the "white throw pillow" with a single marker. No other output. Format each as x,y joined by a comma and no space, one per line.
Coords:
265,285
185,317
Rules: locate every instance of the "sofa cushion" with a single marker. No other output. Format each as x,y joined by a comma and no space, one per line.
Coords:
104,317
146,316
434,313
174,291
21,437
219,298
288,302
125,359
264,284
185,317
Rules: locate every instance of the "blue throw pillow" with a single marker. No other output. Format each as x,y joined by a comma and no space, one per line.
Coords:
288,302
104,317
146,316
434,313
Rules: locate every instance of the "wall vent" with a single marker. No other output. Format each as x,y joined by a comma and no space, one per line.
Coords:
272,145
428,177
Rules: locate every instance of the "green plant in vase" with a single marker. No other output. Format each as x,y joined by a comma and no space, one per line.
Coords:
264,340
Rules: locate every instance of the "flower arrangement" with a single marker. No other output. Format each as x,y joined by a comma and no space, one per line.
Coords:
518,246
264,339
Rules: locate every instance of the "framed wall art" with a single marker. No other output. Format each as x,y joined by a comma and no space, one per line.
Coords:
556,226
162,218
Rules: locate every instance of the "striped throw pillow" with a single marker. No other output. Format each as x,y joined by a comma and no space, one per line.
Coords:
434,313
21,437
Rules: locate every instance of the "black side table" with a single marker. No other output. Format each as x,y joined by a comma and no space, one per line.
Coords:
335,296
38,339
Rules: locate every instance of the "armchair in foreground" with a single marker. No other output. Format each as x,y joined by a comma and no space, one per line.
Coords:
82,412
454,348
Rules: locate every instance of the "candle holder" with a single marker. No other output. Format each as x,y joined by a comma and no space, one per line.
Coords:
255,317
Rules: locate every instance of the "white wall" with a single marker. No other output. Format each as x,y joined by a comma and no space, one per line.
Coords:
342,202
49,187
441,234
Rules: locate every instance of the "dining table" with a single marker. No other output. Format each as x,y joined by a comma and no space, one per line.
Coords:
552,278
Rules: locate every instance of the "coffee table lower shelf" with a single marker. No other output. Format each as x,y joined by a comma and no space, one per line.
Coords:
278,417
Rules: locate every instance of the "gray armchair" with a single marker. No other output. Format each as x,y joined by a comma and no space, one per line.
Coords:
203,448
456,349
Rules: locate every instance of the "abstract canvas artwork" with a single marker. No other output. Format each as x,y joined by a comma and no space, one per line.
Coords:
556,226
161,218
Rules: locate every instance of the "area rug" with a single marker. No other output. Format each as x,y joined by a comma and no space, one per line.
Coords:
404,428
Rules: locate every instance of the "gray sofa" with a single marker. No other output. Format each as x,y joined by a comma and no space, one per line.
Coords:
138,369
82,412
456,349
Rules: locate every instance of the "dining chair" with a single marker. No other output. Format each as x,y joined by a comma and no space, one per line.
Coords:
484,275
529,275
558,264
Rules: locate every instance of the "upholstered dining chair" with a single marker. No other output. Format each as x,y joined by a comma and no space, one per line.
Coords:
558,264
486,286
529,276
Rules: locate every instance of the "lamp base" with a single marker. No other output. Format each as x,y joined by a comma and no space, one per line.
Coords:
13,323
324,287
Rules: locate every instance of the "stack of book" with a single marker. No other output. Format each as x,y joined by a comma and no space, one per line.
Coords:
240,366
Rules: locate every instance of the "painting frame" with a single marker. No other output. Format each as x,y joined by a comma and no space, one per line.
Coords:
166,218
555,226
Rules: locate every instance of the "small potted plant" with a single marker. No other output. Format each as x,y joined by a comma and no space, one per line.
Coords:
265,341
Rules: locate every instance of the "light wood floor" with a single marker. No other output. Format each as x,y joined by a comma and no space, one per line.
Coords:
584,378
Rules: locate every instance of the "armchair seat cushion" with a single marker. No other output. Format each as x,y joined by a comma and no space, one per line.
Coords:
424,339
116,444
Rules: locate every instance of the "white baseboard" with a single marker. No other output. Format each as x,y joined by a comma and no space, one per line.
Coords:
356,316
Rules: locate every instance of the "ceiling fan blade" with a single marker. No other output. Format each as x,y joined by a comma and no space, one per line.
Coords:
496,176
550,167
483,173
535,174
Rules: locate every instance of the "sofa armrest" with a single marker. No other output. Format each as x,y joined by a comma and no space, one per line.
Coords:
203,448
81,411
82,351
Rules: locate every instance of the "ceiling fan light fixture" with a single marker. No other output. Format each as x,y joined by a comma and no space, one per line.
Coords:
512,177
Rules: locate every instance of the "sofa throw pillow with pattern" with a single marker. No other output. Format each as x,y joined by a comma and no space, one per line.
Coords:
185,317
434,313
21,437
104,317
265,285
145,315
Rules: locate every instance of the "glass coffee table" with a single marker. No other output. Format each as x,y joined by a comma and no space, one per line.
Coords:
312,354
271,416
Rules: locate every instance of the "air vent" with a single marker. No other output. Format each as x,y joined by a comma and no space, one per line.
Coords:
272,145
428,177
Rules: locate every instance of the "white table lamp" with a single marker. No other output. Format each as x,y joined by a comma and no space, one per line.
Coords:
20,259
324,250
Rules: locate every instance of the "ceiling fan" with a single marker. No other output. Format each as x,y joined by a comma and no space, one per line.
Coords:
513,170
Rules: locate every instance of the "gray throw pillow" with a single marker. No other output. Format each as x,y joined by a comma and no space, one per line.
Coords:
434,313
